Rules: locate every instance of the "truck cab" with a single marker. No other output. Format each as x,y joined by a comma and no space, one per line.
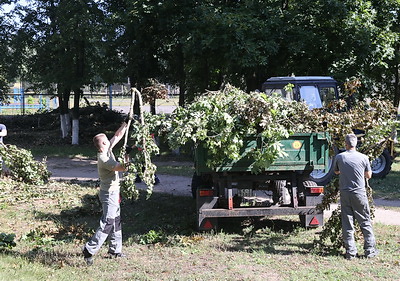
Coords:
316,91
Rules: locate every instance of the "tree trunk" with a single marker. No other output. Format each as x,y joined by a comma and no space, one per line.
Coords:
396,98
75,131
182,90
75,116
396,88
153,107
63,97
64,120
253,81
180,73
136,107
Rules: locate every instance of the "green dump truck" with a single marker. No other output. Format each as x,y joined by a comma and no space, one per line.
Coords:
283,188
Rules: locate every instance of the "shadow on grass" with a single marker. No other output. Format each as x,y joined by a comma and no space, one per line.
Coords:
166,214
267,235
173,215
169,214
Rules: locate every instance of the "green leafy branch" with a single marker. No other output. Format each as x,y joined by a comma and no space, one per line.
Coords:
7,240
144,147
21,166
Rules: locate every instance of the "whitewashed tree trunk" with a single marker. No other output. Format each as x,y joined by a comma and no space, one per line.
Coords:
68,123
63,99
75,131
64,122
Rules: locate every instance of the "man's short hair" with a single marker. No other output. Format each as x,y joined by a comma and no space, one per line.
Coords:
351,140
97,139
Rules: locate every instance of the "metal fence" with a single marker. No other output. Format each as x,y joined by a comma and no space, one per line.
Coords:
25,103
116,97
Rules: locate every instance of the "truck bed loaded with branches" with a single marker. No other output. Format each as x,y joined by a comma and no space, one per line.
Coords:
248,150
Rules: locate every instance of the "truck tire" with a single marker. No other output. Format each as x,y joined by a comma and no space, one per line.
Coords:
201,181
281,194
322,177
382,165
309,183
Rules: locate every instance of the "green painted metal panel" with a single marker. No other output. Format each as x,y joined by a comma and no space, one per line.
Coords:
304,152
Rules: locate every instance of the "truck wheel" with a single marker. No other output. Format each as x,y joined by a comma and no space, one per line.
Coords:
203,181
322,177
280,193
309,183
382,165
303,191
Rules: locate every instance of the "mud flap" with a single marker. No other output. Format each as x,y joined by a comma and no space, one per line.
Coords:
205,202
207,224
312,221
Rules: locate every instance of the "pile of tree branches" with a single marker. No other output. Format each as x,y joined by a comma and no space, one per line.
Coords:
20,165
221,120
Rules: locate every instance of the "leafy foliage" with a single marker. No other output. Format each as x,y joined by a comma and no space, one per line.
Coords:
7,240
153,92
39,237
375,120
29,129
221,120
152,237
144,146
22,166
201,44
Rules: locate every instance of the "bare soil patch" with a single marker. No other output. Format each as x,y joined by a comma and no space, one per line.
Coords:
85,169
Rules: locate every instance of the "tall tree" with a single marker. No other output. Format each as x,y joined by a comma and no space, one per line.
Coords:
202,45
63,45
341,38
385,74
6,66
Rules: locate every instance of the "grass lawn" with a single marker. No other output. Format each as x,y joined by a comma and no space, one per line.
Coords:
388,187
162,244
53,221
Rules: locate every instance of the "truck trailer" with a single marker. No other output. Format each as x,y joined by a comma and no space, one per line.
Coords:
281,189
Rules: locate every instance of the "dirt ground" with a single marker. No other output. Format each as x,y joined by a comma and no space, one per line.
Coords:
85,170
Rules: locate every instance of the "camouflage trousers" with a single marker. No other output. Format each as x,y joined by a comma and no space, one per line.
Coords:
110,224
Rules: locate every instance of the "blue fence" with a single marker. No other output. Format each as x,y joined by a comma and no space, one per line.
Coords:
21,101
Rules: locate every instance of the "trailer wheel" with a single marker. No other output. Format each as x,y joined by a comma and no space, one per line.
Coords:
322,177
382,165
280,193
309,183
203,181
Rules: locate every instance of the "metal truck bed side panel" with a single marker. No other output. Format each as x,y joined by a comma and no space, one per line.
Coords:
304,152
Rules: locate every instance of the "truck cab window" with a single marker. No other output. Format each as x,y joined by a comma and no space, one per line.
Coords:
327,95
310,95
286,95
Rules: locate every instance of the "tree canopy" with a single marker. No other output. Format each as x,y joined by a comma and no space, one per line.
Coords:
203,45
